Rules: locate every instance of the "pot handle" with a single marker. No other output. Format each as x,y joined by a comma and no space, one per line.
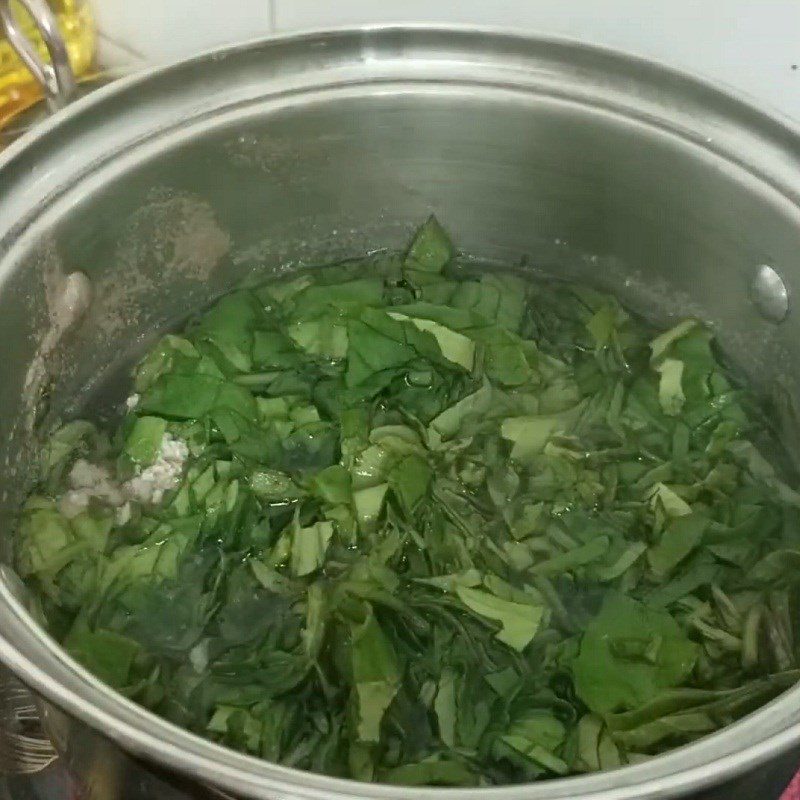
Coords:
56,76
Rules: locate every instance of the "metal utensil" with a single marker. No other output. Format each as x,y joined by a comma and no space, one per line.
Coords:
56,77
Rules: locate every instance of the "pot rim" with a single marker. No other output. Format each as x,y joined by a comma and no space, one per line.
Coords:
144,734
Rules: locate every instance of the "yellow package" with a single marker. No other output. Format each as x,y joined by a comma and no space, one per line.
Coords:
18,90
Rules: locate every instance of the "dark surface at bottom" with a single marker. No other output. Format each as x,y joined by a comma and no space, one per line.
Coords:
767,782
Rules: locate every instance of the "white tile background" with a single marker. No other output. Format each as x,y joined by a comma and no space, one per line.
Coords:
749,45
137,32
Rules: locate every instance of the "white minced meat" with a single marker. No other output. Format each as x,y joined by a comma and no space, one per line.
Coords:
86,481
89,481
162,475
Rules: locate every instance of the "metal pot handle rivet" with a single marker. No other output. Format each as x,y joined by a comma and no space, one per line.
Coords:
56,78
769,294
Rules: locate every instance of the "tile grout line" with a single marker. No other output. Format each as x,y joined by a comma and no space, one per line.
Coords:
126,48
273,16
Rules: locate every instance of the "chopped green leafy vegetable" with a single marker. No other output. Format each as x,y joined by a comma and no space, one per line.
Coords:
518,621
404,520
628,653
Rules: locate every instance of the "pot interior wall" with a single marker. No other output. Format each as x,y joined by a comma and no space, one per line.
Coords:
549,184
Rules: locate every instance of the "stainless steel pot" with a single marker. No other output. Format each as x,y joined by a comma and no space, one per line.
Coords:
166,188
